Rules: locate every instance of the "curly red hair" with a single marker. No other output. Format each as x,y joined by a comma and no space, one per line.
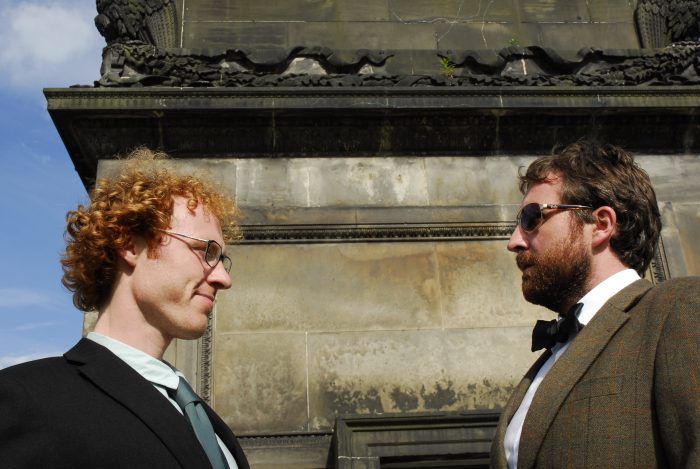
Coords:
137,201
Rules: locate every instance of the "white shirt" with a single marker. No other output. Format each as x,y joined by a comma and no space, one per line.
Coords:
158,373
592,302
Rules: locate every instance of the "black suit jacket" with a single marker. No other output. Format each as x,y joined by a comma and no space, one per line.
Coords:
89,409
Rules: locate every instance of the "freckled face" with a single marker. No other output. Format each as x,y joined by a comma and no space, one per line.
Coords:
175,291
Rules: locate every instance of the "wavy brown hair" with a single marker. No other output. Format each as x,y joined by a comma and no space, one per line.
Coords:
606,175
136,201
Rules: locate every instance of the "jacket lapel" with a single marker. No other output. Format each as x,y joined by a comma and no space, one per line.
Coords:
498,454
571,366
118,380
227,436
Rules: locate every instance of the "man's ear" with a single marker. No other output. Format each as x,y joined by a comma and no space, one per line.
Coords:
604,226
128,254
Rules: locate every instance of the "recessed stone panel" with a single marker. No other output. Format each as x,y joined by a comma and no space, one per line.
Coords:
687,218
330,182
427,10
222,36
290,452
535,11
259,382
331,287
488,38
472,181
366,182
371,35
572,37
675,177
361,10
449,11
289,10
605,11
373,372
222,172
481,286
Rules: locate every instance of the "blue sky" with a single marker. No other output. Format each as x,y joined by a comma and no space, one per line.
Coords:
44,44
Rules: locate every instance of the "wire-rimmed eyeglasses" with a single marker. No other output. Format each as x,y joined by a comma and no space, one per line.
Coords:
213,252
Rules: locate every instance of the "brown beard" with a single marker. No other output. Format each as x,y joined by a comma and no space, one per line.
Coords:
556,278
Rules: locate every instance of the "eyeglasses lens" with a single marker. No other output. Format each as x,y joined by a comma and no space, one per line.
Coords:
530,216
227,263
213,253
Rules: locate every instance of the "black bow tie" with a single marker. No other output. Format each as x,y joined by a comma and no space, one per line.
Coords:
547,333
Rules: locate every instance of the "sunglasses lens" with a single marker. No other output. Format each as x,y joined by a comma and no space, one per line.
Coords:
530,216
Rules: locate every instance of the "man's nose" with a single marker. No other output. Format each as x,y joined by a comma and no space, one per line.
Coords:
517,240
219,277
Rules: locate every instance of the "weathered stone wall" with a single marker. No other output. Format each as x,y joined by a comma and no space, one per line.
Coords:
312,330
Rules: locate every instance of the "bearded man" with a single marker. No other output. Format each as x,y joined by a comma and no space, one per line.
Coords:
619,382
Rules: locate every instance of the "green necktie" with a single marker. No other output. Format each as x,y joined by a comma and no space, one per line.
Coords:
192,407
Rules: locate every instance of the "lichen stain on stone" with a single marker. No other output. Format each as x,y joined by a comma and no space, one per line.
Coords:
492,395
404,401
440,398
349,401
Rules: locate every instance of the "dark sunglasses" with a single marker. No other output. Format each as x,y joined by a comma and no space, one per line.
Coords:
531,216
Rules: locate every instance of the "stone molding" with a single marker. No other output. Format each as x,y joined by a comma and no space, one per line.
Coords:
205,346
137,63
312,234
284,440
159,100
363,441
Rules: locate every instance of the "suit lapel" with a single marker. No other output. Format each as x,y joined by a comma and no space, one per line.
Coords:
571,366
499,453
118,380
227,436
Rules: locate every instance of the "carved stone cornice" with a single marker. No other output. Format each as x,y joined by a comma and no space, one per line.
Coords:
313,234
662,22
150,21
137,63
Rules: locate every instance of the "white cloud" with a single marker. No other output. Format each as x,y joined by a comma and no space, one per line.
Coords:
30,326
9,360
20,297
49,44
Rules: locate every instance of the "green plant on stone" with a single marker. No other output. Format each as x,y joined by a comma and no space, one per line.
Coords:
447,67
514,41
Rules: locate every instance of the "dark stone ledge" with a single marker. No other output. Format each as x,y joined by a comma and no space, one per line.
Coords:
340,122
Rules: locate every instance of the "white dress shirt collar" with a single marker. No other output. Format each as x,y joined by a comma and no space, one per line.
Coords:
152,369
601,293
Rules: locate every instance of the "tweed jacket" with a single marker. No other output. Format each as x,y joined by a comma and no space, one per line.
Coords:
89,409
626,394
